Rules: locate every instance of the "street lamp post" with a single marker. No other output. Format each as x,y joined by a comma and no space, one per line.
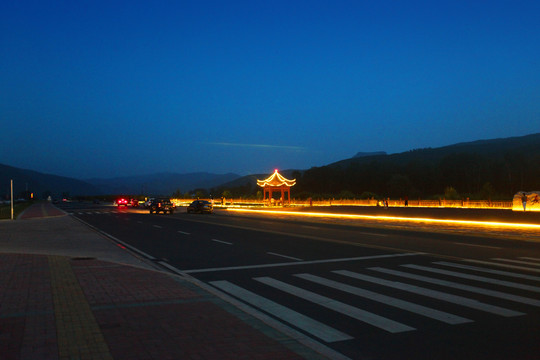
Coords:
11,199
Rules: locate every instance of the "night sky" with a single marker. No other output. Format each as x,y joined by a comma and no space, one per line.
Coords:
113,88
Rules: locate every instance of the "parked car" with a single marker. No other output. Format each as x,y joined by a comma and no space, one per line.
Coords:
162,204
200,206
122,202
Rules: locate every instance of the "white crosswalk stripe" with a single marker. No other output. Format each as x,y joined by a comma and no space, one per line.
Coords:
303,322
488,271
518,261
378,318
401,304
455,299
491,263
475,277
474,289
529,258
351,311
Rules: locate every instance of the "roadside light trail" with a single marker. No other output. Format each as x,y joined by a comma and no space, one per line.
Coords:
524,230
396,218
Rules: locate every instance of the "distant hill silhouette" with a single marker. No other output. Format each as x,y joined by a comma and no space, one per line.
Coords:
161,183
484,169
42,185
495,148
364,154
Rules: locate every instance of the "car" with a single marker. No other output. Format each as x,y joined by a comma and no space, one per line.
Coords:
122,202
148,202
200,206
134,203
162,204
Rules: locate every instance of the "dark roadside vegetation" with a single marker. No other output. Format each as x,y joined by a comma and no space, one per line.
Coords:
18,208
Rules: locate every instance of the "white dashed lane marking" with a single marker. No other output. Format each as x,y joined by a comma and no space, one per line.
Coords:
284,256
222,242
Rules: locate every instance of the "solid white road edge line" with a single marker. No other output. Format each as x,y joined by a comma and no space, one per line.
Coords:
134,249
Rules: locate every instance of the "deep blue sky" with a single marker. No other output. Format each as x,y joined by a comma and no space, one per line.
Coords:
112,88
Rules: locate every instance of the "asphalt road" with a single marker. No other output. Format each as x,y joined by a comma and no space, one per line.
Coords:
364,292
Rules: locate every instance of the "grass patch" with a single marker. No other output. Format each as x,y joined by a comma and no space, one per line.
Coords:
5,210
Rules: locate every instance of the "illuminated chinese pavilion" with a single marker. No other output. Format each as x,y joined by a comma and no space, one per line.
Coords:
276,183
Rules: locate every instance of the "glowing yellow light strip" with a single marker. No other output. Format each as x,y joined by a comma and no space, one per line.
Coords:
397,218
281,179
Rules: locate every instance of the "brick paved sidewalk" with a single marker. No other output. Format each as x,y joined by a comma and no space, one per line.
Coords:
58,301
56,307
39,210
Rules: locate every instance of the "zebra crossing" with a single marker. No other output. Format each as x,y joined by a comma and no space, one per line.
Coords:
471,292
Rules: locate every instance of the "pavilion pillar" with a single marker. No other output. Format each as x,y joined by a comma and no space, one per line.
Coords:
289,195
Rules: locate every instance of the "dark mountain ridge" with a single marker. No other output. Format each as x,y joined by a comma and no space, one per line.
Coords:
373,153
40,184
164,183
497,167
485,168
495,148
44,185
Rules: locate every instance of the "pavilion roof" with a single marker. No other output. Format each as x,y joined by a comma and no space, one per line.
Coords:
276,179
